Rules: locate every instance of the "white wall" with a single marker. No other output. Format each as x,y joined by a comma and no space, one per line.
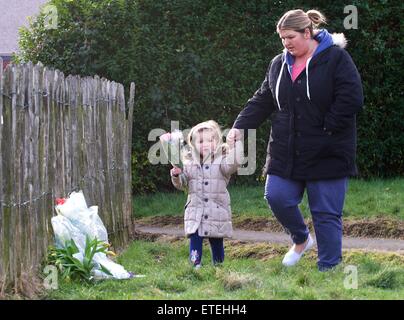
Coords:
13,15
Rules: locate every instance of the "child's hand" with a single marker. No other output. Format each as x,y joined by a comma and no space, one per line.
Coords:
175,171
233,135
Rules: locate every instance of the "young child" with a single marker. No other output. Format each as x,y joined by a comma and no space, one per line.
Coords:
206,173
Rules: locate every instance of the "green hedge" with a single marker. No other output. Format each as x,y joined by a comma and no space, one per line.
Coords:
195,60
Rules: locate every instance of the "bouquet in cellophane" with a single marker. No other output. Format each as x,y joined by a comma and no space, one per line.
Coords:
173,146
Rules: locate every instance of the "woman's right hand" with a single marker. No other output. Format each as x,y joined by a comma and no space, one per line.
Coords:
175,171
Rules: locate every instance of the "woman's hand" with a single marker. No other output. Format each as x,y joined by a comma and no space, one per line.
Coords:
175,171
233,135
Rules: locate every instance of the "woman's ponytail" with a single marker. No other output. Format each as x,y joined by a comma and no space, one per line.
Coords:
316,17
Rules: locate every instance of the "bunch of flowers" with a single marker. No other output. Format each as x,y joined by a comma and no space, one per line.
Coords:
173,146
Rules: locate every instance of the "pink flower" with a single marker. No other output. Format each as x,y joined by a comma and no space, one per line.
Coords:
166,137
60,201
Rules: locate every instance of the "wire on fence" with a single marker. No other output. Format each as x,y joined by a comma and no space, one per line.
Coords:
60,102
77,187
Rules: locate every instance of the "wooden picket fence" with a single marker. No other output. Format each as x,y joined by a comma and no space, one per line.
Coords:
57,135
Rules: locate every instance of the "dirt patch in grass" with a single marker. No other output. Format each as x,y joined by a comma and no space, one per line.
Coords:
368,228
374,228
145,236
257,224
262,251
154,237
232,281
160,221
171,239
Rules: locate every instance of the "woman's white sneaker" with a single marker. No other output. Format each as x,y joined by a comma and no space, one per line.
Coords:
292,257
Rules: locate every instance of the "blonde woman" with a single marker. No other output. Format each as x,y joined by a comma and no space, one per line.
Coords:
205,176
312,92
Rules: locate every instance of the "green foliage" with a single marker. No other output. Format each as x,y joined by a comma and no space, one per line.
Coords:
370,199
198,60
72,268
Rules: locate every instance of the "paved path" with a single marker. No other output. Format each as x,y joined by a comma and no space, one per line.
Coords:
371,244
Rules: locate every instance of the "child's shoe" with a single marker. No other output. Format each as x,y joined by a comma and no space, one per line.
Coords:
292,257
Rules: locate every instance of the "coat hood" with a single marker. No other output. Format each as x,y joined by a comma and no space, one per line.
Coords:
191,155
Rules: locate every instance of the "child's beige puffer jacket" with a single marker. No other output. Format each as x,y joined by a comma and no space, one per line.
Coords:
208,205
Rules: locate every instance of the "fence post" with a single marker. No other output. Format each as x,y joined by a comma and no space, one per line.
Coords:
57,134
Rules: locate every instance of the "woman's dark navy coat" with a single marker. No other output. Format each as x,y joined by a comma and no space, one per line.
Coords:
313,120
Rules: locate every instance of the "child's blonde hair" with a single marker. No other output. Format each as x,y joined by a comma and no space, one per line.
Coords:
214,127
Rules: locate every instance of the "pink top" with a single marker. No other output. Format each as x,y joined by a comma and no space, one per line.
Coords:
297,69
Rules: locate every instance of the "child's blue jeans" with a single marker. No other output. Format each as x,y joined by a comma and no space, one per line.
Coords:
195,249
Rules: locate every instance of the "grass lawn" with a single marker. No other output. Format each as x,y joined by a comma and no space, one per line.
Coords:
260,276
252,270
382,198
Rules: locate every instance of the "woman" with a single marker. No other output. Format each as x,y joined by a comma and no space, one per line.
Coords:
312,92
